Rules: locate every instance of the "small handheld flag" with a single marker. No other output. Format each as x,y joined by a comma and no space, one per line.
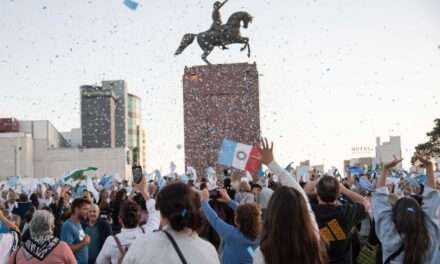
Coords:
239,156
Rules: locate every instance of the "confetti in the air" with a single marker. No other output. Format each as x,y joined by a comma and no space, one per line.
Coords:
131,4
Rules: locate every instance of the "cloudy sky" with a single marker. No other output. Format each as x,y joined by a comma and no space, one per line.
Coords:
334,73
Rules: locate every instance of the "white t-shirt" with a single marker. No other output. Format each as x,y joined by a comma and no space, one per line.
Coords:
156,248
7,241
259,258
110,253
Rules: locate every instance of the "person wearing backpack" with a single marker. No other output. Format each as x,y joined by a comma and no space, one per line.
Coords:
115,247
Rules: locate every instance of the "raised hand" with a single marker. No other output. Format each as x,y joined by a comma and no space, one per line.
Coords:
392,164
426,161
204,195
224,196
266,151
385,172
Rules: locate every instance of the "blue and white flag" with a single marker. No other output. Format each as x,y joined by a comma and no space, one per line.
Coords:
240,156
106,182
91,188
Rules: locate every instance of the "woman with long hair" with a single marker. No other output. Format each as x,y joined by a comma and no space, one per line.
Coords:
409,232
178,242
290,232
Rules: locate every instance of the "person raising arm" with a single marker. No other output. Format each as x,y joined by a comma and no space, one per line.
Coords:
409,232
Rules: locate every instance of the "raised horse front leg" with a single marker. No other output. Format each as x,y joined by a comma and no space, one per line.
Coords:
246,45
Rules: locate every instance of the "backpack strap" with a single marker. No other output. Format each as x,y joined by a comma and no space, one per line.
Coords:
176,247
394,255
15,255
119,245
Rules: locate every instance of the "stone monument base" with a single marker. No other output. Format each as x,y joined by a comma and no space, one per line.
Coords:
220,101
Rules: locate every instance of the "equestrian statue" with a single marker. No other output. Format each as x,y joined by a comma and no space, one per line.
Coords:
219,34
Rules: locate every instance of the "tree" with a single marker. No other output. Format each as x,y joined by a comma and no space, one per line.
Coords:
432,146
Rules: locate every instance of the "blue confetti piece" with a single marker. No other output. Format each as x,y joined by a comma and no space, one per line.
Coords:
251,251
131,4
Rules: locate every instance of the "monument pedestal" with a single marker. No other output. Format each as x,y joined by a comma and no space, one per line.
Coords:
220,101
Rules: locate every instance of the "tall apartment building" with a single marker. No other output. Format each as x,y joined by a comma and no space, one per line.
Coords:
98,121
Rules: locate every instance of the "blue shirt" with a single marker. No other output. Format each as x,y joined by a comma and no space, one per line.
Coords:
386,230
3,228
238,249
72,234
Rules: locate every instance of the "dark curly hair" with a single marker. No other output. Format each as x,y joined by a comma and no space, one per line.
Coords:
180,204
248,218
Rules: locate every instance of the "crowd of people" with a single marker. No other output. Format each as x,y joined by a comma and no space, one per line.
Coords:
271,220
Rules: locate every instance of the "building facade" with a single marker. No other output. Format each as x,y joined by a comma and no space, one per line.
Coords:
74,137
38,150
119,89
220,101
98,122
386,151
136,134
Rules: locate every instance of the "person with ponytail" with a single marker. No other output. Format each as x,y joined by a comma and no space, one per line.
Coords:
178,241
409,232
290,232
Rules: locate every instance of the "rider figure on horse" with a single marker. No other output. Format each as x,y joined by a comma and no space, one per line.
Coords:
217,19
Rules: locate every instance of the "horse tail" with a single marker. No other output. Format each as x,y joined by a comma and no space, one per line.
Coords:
186,41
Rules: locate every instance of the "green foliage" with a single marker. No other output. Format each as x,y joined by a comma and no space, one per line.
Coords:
432,146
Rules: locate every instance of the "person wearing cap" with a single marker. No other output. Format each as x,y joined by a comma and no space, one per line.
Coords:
43,247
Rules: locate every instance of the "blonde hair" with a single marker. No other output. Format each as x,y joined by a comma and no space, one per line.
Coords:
245,187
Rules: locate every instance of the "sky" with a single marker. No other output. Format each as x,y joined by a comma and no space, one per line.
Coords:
334,74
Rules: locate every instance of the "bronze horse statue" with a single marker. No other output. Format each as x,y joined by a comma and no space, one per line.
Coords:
229,33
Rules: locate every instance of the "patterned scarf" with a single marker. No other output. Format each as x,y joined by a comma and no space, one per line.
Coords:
41,246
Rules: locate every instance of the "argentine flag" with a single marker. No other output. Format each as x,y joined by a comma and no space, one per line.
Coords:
239,156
